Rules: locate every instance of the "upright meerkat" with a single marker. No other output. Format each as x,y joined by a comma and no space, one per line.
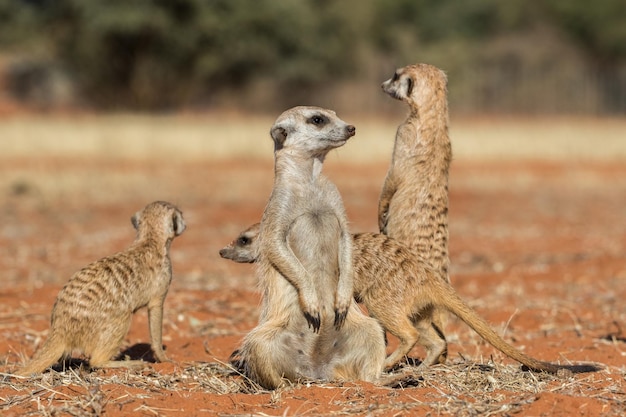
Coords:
399,290
413,205
305,267
92,313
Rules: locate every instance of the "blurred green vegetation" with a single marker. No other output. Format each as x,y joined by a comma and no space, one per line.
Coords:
554,56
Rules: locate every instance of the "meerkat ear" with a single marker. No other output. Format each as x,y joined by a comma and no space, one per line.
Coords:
279,135
135,220
178,223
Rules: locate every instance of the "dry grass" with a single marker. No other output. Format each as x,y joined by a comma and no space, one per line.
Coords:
226,136
460,388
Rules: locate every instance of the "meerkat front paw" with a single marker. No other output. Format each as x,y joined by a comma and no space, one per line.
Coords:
340,318
161,357
309,305
342,305
382,221
314,320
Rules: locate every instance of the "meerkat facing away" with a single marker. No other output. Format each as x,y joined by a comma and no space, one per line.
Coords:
398,288
305,267
413,205
92,313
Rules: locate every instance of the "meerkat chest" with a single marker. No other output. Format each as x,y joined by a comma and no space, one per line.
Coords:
314,239
407,135
326,196
311,199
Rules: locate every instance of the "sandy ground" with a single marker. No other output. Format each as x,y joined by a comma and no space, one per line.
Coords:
538,249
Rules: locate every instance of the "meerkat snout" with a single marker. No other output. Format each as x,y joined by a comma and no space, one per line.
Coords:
244,248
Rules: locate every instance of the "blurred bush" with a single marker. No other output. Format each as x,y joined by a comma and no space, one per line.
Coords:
558,56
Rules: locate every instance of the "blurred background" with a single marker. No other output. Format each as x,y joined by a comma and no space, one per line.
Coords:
556,57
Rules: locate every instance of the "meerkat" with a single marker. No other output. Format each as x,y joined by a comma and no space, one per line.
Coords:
309,325
413,204
399,290
92,313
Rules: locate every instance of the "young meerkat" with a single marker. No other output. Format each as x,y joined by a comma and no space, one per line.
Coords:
305,267
413,205
399,289
92,313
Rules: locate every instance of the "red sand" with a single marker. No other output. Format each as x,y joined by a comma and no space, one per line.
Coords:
538,249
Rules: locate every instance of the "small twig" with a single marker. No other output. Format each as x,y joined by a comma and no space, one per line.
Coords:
508,322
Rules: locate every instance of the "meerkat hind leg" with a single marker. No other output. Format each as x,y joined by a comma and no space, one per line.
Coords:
433,340
408,336
440,318
101,358
102,352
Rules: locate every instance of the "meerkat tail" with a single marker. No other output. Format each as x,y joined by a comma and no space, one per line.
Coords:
46,356
455,304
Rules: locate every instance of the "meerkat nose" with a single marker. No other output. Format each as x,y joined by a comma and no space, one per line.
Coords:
351,130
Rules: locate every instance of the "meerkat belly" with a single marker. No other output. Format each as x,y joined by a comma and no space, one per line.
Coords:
314,239
410,216
280,299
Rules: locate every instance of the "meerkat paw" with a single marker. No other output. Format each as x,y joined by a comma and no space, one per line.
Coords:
309,305
343,302
162,358
314,320
382,222
340,318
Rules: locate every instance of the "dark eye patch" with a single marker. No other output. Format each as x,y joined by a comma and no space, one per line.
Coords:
243,241
395,76
317,120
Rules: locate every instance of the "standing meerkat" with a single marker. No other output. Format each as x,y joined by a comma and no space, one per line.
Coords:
92,313
305,267
413,205
399,290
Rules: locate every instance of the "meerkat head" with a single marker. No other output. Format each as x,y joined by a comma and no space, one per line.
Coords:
244,248
159,216
311,129
414,83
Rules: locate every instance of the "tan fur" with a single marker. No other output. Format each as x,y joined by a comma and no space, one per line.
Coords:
399,290
413,205
92,313
309,325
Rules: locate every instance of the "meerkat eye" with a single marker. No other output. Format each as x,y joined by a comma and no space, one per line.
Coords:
243,240
317,120
395,77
